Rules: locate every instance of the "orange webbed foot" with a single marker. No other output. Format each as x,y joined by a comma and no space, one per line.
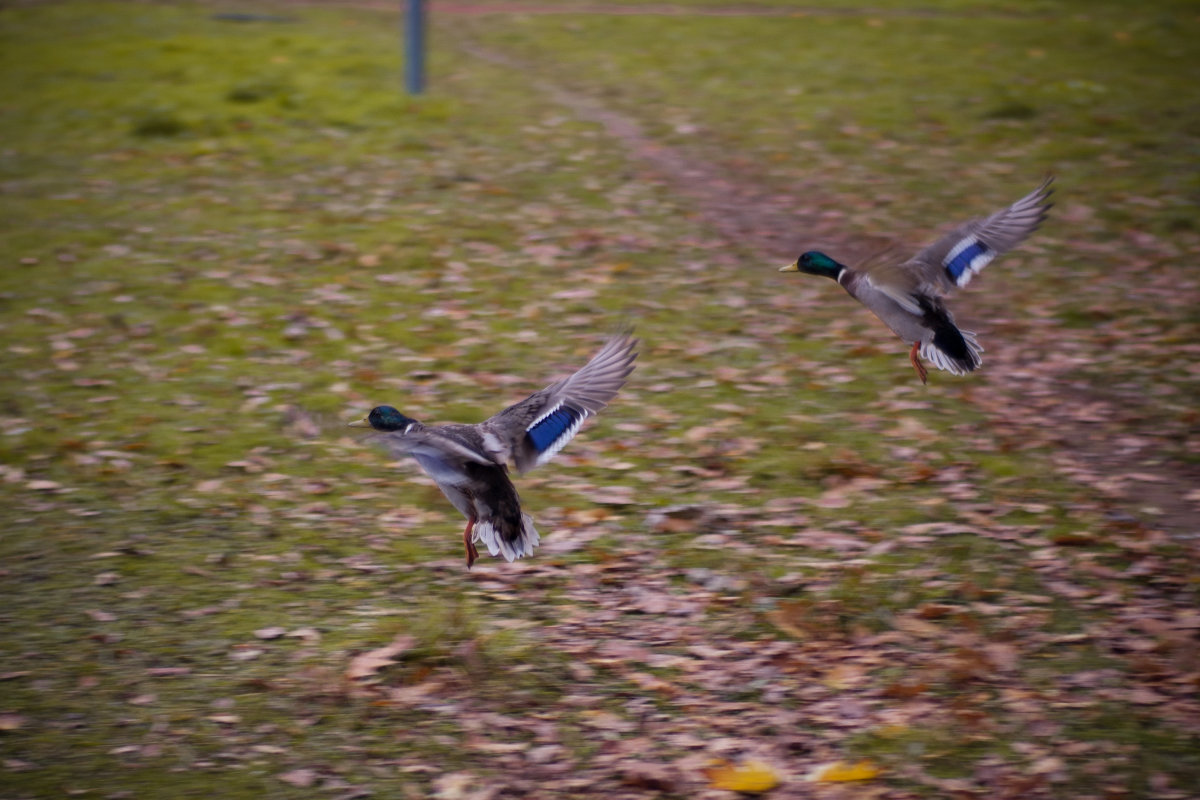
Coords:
472,553
922,373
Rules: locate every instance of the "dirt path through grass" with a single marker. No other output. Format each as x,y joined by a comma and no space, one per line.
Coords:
1035,402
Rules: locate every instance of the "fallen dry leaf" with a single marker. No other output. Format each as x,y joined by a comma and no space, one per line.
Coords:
302,778
412,694
789,616
11,722
453,786
844,676
654,777
370,662
224,719
106,579
270,633
1146,697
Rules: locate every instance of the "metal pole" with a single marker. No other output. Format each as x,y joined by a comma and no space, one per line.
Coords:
414,47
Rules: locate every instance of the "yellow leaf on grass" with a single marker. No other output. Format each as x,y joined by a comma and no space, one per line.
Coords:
839,771
750,776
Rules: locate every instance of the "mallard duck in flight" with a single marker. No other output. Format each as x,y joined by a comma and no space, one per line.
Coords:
469,462
907,294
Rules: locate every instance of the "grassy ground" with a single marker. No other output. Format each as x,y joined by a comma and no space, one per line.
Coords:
224,238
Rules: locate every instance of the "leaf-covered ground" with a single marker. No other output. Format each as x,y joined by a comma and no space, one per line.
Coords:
225,236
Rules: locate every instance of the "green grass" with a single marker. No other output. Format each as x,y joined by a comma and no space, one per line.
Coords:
1071,93
222,240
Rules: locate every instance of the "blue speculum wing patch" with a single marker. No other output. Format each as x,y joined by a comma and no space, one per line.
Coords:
965,259
549,429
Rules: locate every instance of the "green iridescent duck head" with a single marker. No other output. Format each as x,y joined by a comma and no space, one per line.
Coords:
814,262
384,418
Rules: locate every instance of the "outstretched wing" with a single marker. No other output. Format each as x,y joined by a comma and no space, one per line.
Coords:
451,444
531,432
951,261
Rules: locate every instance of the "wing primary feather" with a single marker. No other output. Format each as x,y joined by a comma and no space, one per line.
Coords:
958,256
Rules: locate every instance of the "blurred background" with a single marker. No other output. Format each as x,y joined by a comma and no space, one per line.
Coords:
776,563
